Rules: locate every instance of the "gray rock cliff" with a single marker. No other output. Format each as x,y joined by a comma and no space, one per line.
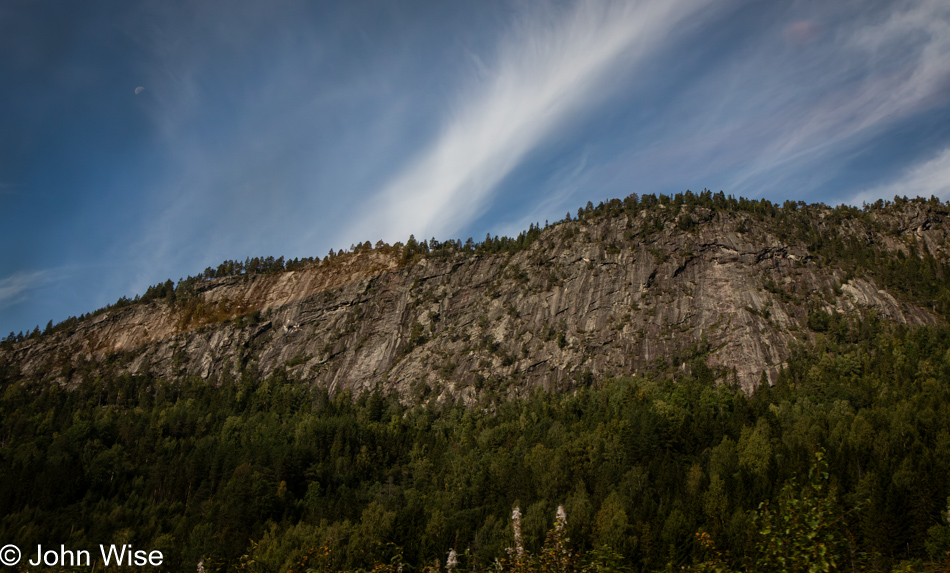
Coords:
611,294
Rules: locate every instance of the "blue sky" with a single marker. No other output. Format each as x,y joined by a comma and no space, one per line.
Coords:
146,140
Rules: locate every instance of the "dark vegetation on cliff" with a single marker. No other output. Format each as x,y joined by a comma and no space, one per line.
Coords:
702,382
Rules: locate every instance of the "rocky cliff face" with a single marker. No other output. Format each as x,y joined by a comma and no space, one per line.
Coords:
612,293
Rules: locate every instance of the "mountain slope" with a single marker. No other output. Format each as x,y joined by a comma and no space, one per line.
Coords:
651,283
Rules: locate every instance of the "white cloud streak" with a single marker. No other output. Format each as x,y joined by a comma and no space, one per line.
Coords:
922,180
558,190
549,67
14,288
902,67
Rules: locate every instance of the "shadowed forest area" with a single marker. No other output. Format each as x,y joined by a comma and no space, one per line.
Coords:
842,462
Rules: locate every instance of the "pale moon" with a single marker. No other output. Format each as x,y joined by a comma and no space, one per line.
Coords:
139,90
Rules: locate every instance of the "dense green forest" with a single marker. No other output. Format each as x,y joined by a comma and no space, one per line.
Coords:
843,463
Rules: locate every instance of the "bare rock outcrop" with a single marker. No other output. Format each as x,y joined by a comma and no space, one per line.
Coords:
610,295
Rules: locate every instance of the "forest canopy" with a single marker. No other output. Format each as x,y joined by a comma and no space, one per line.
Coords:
273,475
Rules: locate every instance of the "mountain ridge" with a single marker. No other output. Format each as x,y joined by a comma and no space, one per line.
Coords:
651,283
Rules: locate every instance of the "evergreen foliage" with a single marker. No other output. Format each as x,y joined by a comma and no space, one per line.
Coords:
249,474
270,475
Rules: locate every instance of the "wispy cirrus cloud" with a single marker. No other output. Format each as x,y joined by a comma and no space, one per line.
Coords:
928,178
562,184
17,286
550,66
873,73
783,112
